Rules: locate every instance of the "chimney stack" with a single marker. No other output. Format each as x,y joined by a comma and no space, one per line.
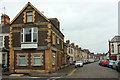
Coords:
72,44
5,19
76,46
68,41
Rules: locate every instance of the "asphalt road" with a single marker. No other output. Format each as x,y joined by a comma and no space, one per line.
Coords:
93,70
88,72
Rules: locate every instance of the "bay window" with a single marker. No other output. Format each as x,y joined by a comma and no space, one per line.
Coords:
29,35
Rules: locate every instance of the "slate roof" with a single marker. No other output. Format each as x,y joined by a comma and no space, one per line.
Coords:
115,39
4,28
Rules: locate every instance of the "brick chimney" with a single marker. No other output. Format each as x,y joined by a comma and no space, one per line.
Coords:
76,46
72,44
68,41
5,19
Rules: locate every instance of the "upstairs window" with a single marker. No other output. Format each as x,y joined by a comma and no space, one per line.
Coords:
53,39
58,42
112,48
29,16
29,35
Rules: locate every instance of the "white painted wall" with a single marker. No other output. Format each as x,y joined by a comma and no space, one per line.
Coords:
115,48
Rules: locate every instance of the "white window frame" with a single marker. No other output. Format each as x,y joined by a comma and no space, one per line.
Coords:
32,32
36,57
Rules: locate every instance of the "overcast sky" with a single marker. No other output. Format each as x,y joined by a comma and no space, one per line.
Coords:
87,23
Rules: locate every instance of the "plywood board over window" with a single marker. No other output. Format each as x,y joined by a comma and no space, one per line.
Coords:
36,59
18,58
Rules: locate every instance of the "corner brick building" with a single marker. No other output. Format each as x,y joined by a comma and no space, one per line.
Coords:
36,42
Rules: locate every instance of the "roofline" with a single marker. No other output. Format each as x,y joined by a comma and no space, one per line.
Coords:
24,9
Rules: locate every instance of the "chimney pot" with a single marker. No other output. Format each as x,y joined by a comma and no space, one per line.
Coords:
76,46
72,44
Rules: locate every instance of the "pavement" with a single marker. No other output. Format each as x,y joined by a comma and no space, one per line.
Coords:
62,72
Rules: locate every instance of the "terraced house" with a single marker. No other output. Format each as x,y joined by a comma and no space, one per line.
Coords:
36,42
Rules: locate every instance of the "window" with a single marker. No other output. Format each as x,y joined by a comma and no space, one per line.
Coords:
112,48
29,34
3,59
53,39
29,16
53,59
37,60
119,49
22,60
58,41
1,41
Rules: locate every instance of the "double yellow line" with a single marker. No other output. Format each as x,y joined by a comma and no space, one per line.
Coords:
71,72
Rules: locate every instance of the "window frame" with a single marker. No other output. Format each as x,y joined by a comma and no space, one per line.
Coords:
19,60
32,32
53,59
28,16
21,54
36,58
32,59
53,39
112,48
58,41
2,42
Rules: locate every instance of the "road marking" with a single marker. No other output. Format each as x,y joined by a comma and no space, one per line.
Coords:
71,72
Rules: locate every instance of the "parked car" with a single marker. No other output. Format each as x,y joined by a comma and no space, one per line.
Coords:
105,63
78,64
115,65
85,61
110,63
100,62
118,66
91,60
